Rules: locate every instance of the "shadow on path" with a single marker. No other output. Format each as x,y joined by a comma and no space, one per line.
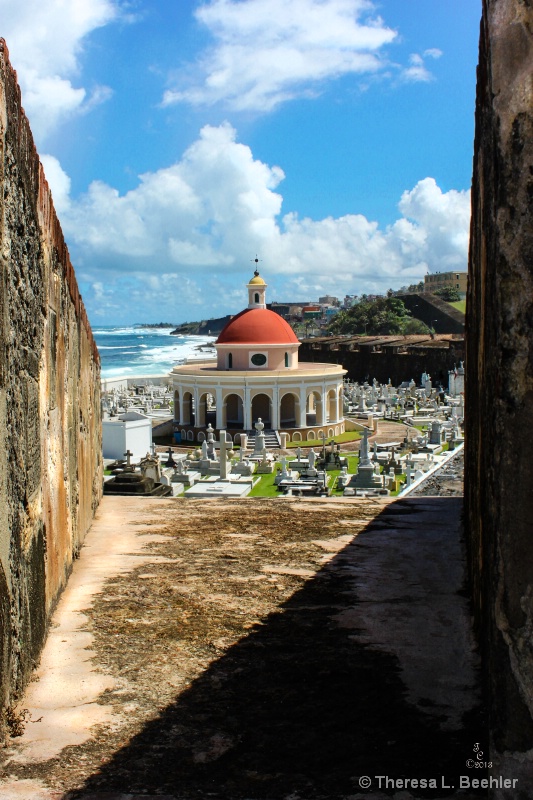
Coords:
304,707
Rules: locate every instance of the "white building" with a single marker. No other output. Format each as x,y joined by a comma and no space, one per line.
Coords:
130,431
257,375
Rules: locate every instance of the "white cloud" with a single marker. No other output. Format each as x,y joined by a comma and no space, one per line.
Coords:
269,51
58,181
433,52
202,211
45,40
444,217
417,71
200,221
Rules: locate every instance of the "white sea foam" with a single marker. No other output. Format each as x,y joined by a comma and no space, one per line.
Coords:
157,355
117,346
113,372
115,331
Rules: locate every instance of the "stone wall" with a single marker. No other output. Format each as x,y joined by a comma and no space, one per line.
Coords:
499,389
434,312
50,432
367,358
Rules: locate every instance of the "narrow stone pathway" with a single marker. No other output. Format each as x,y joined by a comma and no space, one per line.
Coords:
259,649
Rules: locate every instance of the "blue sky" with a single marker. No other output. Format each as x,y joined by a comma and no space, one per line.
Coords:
332,138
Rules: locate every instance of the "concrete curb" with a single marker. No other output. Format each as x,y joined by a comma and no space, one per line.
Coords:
432,471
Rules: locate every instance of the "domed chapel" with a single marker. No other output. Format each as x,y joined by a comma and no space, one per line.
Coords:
257,375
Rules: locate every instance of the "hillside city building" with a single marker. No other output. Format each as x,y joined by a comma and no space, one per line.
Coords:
446,280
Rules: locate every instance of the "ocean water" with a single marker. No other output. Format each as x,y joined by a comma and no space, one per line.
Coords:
143,351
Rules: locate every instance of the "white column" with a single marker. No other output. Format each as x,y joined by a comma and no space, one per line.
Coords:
303,407
325,406
196,407
220,422
275,408
247,410
222,457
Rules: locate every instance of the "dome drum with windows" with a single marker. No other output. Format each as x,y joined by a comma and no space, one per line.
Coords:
257,375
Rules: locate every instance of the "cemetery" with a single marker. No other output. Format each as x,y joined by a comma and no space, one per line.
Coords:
231,632
430,425
245,411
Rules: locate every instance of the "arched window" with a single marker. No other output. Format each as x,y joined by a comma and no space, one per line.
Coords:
230,360
256,296
286,359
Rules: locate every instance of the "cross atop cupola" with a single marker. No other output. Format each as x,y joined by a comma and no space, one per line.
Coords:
257,290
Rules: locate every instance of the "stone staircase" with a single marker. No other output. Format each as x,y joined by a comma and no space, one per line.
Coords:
272,440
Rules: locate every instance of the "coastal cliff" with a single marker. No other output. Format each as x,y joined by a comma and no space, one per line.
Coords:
50,429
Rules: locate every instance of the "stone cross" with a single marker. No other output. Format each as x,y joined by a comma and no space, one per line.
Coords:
170,461
129,456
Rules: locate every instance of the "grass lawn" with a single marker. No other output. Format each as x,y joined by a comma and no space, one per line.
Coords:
460,305
266,487
349,436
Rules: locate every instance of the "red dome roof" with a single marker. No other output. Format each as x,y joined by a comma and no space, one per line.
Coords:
257,326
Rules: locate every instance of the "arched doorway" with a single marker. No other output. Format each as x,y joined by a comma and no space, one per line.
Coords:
262,408
188,414
177,417
232,411
289,411
206,411
314,411
332,406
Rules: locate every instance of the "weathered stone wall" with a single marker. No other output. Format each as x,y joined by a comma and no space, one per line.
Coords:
435,312
50,432
399,363
499,391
